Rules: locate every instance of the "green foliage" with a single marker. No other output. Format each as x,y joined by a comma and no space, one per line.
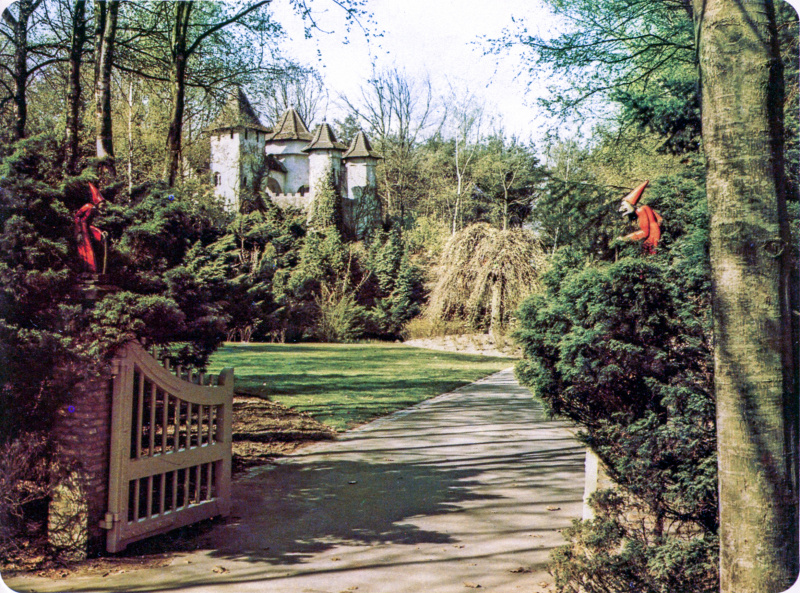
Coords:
624,349
326,208
617,46
249,265
340,317
614,553
39,319
395,291
51,337
341,292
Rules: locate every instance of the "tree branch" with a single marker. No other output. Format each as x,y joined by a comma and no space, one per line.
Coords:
223,24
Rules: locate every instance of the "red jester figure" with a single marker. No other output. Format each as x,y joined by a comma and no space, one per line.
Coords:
648,219
86,233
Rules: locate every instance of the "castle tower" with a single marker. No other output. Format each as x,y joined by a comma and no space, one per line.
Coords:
237,148
324,152
285,145
361,198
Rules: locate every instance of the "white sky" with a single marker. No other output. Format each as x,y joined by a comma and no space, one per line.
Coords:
437,37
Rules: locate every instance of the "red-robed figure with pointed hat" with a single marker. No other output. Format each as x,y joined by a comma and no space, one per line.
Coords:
86,233
648,219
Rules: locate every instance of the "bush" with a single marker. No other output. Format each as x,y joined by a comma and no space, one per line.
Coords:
615,553
23,482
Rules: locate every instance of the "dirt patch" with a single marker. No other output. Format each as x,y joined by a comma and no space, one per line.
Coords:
262,432
482,344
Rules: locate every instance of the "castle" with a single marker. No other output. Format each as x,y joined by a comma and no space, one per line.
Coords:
287,164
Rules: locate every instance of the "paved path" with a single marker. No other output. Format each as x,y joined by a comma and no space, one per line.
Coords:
457,493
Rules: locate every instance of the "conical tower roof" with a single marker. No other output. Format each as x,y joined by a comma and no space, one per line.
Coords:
238,113
290,127
360,147
324,139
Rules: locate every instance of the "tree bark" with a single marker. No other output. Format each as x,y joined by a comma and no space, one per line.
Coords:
755,359
105,38
180,55
74,102
20,71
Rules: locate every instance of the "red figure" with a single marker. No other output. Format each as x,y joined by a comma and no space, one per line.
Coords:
85,232
649,220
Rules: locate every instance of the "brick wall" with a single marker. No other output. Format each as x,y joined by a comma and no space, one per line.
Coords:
82,435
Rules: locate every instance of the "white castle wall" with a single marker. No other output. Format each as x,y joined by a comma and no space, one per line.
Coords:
359,173
318,163
236,159
294,159
225,168
299,201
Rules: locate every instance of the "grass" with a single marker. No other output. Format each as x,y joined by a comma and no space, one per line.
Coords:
344,385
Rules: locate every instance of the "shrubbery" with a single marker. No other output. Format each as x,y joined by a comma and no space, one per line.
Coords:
620,342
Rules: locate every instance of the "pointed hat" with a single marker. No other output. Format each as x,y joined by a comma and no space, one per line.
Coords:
634,196
96,197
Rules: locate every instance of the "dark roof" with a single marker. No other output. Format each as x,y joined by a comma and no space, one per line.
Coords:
238,113
290,127
360,147
324,139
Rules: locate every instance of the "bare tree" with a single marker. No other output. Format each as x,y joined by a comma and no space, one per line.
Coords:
468,117
298,88
397,111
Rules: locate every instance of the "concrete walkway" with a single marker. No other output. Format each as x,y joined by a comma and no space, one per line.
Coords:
464,491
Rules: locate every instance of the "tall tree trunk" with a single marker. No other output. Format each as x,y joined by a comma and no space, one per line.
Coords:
74,93
19,25
754,359
180,56
106,17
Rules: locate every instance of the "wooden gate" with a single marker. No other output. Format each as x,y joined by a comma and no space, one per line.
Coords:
170,462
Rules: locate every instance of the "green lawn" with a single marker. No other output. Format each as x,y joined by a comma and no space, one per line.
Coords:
343,385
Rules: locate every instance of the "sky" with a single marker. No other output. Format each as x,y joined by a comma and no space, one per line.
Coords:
439,38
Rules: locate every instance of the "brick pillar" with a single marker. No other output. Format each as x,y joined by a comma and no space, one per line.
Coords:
80,493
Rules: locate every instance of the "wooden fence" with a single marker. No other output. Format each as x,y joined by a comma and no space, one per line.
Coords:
170,462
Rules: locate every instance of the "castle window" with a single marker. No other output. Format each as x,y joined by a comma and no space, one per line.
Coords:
231,134
217,179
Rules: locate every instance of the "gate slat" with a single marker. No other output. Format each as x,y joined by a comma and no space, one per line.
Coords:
140,413
133,475
153,402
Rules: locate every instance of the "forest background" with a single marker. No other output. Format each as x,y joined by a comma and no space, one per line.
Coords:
121,94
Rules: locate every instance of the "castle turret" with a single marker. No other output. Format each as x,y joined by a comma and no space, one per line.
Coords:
237,146
286,145
361,196
324,153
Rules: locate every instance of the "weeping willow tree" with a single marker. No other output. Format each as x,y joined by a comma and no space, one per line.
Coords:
484,274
